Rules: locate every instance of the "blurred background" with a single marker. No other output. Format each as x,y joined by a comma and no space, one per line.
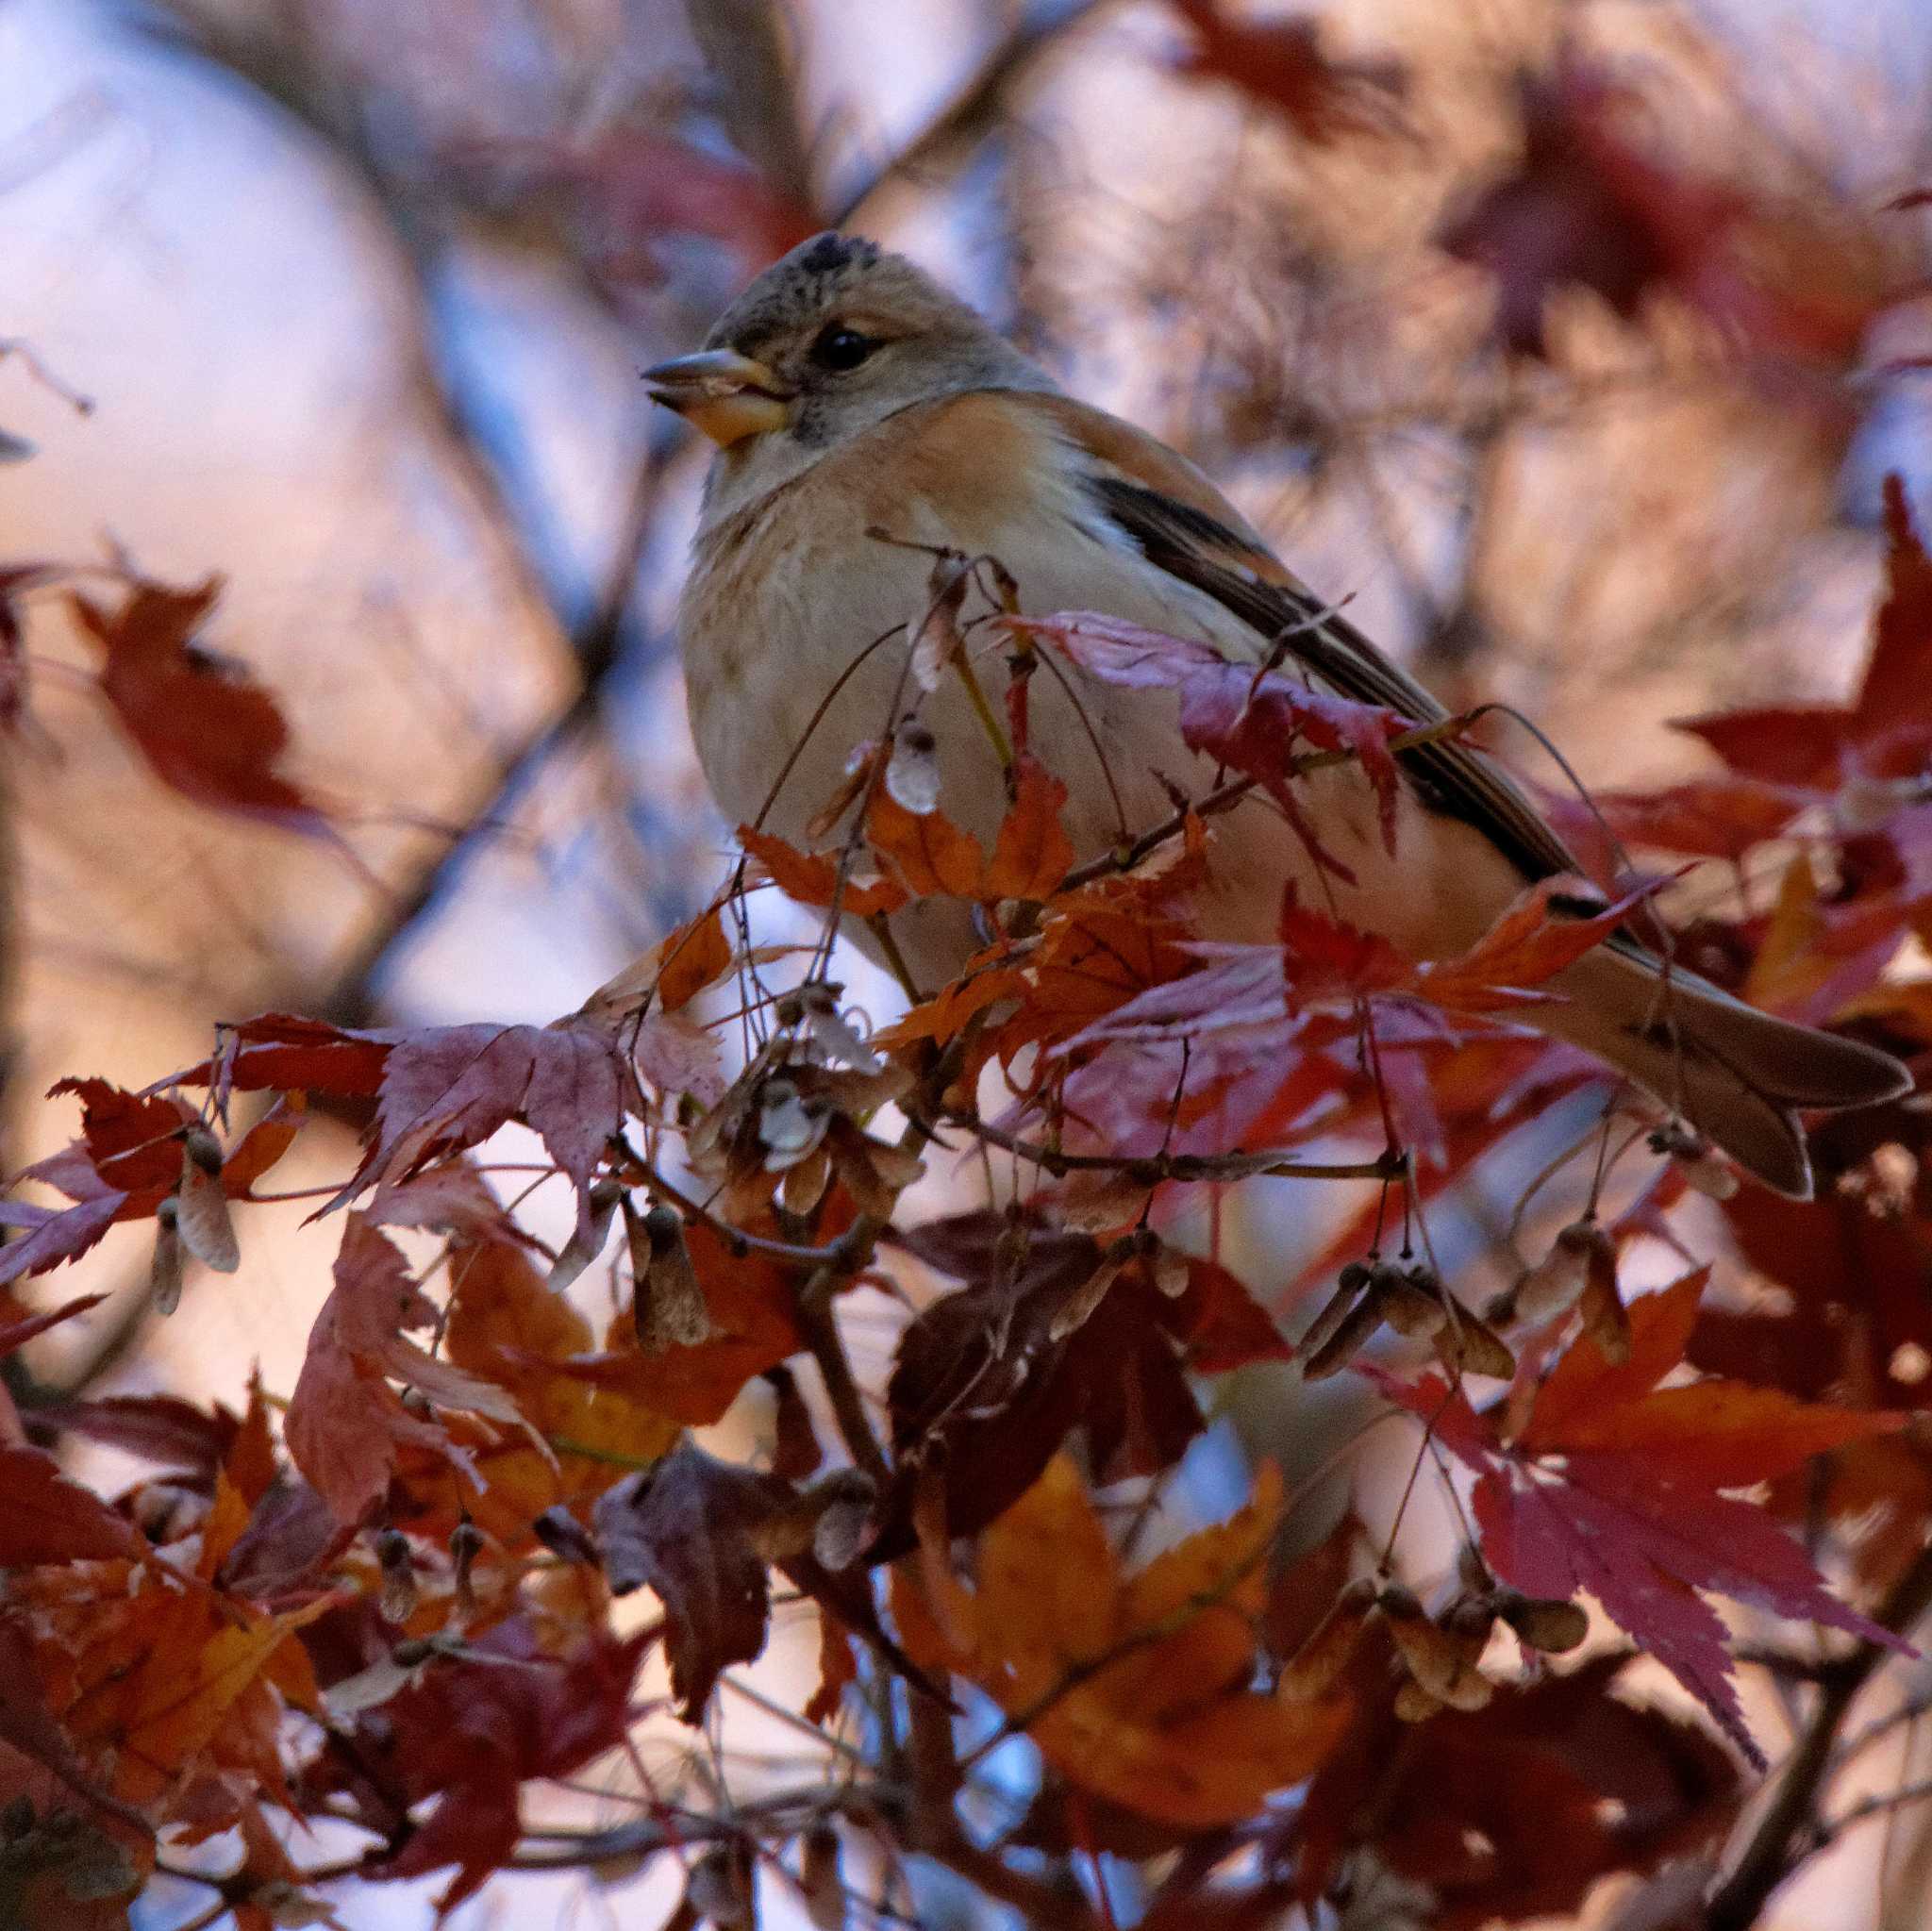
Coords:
1571,339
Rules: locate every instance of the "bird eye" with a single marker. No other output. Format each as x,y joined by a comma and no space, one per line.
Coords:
839,347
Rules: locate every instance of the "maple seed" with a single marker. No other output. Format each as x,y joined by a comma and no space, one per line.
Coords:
1692,1154
1084,1302
202,1206
852,781
465,1545
1556,1283
937,639
1171,1271
170,1264
565,1537
1470,1617
587,1240
845,1501
804,1186
830,1519
1413,1703
1315,1668
1411,1299
791,1123
1345,1340
1334,1310
832,1033
398,1565
1599,1305
720,1889
1551,1626
1442,1664
667,1302
200,1149
913,772
821,1881
1467,1344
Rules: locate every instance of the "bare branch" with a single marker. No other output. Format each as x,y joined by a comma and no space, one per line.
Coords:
1789,1828
972,112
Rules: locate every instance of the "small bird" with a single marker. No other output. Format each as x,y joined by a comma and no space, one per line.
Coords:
864,418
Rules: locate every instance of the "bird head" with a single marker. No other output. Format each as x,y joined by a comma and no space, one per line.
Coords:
830,340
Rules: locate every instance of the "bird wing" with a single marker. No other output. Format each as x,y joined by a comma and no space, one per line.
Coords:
1183,524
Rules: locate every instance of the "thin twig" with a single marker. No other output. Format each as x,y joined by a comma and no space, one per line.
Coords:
1785,1832
1149,1170
1877,1805
811,1307
1227,796
975,111
596,650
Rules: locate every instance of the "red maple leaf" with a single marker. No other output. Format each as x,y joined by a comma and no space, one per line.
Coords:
440,1090
1251,720
1282,65
206,729
469,1732
1324,962
1886,730
1614,1486
1514,1811
1595,204
1858,1278
992,1380
345,1424
1709,818
126,1161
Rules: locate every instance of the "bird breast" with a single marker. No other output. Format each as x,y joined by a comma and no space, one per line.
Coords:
786,596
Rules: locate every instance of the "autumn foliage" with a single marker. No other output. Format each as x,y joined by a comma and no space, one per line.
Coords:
727,1303
392,1595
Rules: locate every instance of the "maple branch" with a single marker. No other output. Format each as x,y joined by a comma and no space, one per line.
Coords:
1874,1805
831,1266
811,1308
595,648
1790,1830
1908,1711
737,1240
1040,1901
934,1834
780,1812
972,111
853,1250
1149,1170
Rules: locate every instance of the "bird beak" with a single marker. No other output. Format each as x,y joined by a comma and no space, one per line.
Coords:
727,395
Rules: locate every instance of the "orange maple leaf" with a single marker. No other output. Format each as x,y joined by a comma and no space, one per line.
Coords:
1135,1688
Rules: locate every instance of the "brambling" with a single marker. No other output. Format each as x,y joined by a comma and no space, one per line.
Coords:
860,411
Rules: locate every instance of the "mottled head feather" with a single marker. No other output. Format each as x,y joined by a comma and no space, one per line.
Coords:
924,343
806,286
826,253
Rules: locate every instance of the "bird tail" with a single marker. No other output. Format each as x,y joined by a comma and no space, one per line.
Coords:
1738,1076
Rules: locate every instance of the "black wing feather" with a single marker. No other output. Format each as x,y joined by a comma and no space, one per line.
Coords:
1188,544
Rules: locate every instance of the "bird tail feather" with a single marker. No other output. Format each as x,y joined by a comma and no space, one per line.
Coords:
1737,1074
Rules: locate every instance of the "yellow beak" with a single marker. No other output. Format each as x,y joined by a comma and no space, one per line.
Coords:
727,395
